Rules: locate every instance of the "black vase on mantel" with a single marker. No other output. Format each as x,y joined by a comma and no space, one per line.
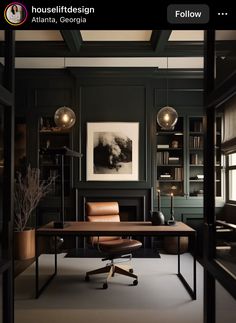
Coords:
157,218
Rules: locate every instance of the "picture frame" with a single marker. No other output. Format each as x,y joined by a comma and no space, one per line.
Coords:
112,151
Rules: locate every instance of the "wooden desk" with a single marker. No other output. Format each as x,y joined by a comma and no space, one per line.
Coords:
115,229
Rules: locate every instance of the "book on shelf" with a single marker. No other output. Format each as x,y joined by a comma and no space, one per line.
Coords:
198,126
162,157
173,160
163,146
197,177
165,176
196,142
200,176
178,174
194,159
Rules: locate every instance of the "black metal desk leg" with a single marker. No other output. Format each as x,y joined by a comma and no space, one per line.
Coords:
40,290
178,254
36,267
190,290
194,266
55,253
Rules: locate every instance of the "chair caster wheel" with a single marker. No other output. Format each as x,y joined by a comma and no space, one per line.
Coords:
87,279
105,286
135,282
131,271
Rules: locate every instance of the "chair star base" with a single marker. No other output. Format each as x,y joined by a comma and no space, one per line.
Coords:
111,269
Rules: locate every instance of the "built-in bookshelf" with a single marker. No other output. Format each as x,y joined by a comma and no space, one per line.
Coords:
195,149
180,158
51,136
170,160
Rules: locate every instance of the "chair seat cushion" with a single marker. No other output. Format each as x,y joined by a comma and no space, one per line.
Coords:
119,246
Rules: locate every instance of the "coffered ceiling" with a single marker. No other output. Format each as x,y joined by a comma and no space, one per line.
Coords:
108,48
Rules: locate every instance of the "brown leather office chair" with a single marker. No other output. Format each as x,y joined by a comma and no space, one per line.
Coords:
112,247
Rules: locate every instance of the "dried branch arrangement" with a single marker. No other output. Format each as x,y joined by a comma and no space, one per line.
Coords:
28,191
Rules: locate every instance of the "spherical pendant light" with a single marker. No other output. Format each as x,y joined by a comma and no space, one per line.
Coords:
64,118
167,118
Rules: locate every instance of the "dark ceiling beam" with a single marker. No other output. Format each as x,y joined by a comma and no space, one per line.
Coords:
73,39
107,49
159,39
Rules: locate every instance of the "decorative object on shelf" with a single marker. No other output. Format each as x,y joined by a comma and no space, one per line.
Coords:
64,118
172,219
28,191
113,151
167,117
62,152
157,217
175,144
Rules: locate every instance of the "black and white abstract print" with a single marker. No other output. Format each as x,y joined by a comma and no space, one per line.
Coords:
112,153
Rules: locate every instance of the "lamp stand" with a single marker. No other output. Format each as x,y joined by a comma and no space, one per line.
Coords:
61,224
62,152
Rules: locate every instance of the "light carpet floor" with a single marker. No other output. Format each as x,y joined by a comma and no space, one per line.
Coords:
159,296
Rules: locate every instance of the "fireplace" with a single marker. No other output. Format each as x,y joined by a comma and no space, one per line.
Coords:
134,204
128,212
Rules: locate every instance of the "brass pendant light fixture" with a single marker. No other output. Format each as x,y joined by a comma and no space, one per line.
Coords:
64,117
167,116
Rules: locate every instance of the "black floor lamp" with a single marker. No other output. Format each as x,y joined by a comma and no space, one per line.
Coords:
62,153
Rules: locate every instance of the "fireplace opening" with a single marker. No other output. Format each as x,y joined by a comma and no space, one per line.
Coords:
128,213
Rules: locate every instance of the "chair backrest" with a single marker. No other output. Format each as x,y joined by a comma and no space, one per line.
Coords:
103,212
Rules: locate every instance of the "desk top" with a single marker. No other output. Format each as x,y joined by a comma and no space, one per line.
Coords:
116,228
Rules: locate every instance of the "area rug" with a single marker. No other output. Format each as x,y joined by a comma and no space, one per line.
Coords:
159,296
93,253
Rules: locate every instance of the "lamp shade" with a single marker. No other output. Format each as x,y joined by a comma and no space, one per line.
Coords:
64,118
167,118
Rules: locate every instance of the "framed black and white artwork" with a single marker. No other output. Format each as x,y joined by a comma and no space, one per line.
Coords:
112,151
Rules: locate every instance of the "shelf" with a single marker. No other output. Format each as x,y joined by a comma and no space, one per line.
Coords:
168,165
196,165
176,133
196,180
54,132
169,180
195,133
199,149
171,149
53,165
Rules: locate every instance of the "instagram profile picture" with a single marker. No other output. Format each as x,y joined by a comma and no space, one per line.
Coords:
15,13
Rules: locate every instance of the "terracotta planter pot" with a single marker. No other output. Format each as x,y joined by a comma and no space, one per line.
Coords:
24,244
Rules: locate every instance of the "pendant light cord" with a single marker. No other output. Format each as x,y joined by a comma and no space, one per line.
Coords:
167,83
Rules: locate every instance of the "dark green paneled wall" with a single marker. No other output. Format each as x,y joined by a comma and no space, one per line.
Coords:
107,94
